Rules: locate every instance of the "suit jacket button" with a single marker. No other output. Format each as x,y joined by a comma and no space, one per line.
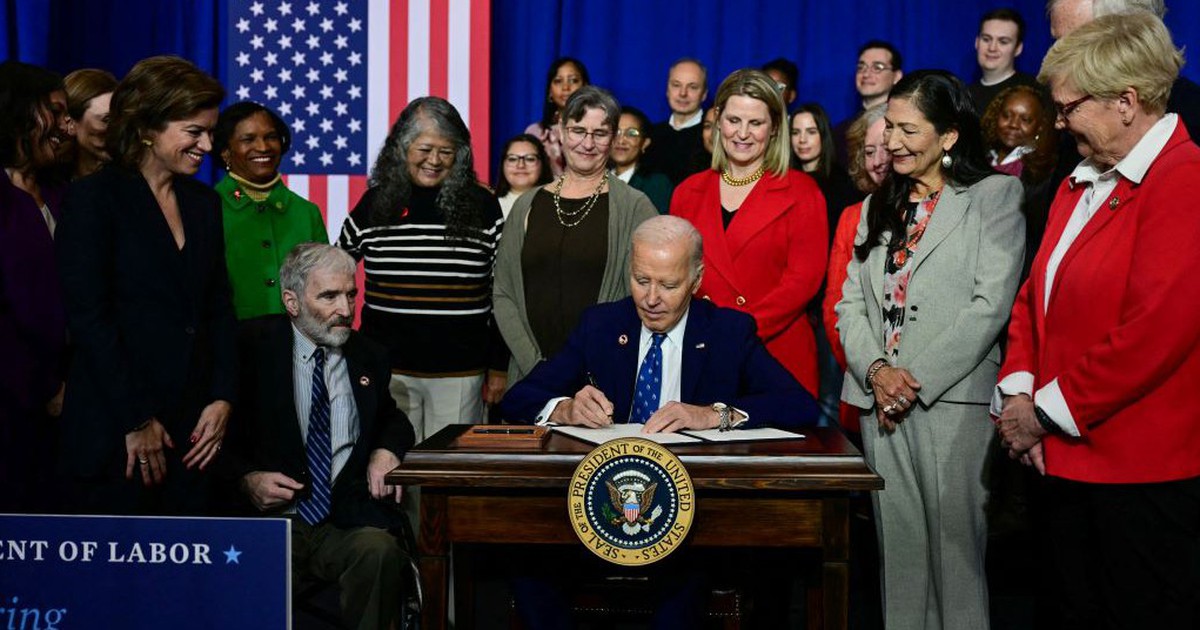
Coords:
914,307
741,301
266,244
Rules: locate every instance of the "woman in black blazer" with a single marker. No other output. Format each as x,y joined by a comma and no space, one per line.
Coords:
141,255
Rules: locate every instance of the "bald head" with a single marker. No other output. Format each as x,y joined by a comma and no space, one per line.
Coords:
1068,15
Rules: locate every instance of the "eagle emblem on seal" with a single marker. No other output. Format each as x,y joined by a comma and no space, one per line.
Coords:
632,500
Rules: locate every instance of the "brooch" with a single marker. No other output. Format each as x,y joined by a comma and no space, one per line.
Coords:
1113,203
622,340
364,381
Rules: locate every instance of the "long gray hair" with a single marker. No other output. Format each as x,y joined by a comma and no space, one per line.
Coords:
390,176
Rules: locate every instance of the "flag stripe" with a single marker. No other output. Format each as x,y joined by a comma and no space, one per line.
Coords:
480,41
419,56
379,64
317,193
439,42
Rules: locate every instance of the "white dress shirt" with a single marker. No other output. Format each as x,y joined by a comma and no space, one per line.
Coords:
690,122
1100,185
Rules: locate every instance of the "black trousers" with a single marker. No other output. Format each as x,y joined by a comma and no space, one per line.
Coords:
1120,556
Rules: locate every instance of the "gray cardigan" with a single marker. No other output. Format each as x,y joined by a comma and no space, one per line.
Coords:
627,208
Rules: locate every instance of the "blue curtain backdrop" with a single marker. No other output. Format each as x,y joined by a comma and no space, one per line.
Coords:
626,44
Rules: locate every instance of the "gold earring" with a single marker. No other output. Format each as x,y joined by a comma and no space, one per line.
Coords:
147,142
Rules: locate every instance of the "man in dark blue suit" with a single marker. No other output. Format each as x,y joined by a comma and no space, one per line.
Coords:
659,358
713,371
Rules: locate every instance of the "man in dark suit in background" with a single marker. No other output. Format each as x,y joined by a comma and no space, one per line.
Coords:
316,431
705,365
678,148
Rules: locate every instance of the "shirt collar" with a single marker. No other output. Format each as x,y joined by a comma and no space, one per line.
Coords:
1134,166
627,175
691,122
675,335
303,347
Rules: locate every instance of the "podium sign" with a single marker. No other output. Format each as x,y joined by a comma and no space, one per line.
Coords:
143,572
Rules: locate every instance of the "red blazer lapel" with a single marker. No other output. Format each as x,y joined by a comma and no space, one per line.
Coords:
766,203
707,217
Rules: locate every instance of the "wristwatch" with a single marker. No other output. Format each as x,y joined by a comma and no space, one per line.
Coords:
723,410
1044,419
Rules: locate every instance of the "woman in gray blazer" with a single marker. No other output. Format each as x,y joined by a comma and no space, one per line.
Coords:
566,244
935,269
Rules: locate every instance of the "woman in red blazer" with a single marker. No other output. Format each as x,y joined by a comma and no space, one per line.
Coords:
764,226
1104,346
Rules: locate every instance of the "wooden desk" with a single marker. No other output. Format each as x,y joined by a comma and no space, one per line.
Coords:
797,491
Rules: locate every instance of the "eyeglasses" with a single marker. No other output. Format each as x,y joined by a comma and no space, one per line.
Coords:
600,136
631,133
513,159
873,68
780,87
1066,110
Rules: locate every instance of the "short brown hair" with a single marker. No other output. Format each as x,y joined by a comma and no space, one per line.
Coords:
157,91
85,84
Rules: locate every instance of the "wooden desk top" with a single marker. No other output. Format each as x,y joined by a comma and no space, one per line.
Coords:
824,460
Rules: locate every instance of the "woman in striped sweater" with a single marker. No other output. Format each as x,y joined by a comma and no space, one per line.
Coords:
427,234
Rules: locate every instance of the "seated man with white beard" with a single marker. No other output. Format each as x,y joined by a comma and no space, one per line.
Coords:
315,431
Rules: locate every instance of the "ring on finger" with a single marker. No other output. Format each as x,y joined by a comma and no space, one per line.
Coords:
901,401
143,461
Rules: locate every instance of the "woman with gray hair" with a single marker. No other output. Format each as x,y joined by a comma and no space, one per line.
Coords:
566,246
427,234
1104,345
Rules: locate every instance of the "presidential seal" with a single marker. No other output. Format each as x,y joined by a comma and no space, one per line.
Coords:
631,501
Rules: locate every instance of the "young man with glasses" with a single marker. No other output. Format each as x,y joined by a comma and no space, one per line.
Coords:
878,69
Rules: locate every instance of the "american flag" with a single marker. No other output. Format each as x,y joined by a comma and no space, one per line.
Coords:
340,71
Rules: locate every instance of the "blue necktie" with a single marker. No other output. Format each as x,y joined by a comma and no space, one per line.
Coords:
649,382
315,508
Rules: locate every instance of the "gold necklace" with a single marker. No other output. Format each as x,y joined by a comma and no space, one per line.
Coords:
564,217
733,181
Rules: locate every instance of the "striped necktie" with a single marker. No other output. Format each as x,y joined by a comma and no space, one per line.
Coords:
318,446
649,382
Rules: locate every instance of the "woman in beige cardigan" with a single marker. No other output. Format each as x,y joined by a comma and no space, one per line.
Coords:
566,244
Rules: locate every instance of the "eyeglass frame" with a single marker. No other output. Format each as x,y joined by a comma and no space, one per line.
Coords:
628,132
581,133
877,67
523,159
1065,111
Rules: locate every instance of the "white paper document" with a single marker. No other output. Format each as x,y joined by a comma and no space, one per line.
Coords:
744,435
624,430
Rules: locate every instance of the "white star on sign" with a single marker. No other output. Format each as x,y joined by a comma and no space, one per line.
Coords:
271,25
256,8
326,159
243,58
243,25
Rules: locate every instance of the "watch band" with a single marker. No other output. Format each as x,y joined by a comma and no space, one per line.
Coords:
1046,421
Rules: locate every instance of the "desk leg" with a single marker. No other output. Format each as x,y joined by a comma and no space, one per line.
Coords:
829,609
434,565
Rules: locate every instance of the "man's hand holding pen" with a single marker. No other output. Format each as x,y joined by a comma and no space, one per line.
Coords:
589,408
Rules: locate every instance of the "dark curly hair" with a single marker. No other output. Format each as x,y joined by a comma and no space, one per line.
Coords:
390,178
24,88
944,101
1039,164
